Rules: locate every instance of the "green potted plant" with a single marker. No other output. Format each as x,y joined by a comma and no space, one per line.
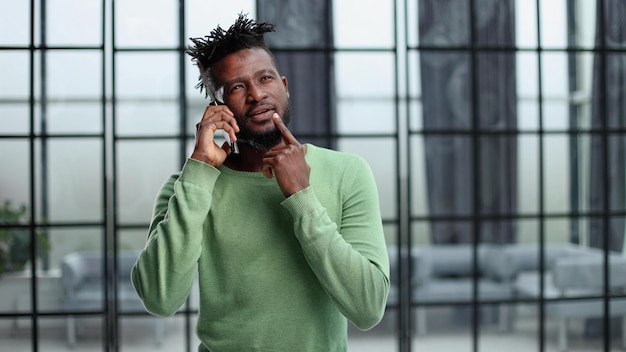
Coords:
15,241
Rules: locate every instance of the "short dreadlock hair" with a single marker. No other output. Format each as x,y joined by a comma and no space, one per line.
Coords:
206,51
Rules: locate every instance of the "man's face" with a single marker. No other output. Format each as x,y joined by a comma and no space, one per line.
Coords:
253,91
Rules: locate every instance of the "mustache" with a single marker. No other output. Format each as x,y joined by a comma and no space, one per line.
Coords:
267,105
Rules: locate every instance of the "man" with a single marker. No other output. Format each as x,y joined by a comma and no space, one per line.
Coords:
286,238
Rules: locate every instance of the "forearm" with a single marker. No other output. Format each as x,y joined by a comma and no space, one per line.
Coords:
351,265
164,273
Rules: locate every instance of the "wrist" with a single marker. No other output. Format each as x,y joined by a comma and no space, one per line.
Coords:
205,159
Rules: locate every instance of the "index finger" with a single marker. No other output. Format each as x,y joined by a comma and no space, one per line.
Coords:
284,131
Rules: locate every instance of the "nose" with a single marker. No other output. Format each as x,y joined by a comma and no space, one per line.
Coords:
256,93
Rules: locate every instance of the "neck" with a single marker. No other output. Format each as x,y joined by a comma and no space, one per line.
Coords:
248,159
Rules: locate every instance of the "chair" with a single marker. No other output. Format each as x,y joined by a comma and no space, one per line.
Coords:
82,279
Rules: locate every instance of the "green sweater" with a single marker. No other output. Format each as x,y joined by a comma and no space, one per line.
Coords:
274,274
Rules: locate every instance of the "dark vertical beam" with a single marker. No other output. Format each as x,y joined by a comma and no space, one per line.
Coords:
602,71
572,67
33,197
110,324
182,136
476,158
111,332
403,199
541,135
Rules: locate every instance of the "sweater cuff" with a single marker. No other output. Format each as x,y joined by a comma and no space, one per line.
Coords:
199,173
302,203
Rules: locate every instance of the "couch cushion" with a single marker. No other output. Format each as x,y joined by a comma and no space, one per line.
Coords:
505,263
452,260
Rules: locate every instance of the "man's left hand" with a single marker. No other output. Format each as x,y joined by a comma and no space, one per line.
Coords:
286,162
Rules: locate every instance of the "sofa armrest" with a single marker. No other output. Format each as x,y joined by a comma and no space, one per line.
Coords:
72,272
587,272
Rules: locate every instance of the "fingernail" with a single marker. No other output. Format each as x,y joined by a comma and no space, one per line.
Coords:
276,116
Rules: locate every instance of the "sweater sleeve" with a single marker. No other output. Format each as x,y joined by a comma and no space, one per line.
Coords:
351,262
166,267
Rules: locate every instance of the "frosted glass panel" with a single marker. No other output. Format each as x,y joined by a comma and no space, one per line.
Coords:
14,118
146,23
15,74
75,118
74,22
74,74
148,118
371,116
368,75
142,169
74,180
363,29
14,23
201,16
143,75
380,154
15,175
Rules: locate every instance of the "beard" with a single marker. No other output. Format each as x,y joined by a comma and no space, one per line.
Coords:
264,140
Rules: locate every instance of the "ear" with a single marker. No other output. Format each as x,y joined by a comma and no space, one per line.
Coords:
285,84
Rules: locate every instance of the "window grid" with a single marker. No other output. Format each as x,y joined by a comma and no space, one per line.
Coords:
404,219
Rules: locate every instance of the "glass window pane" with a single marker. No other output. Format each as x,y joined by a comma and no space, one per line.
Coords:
146,75
449,168
586,23
364,75
67,240
555,77
416,116
78,118
528,173
15,68
143,167
446,89
133,239
444,24
527,114
146,23
15,176
74,180
14,23
73,74
371,116
417,172
195,110
141,118
14,118
556,115
553,28
526,77
83,29
380,153
353,24
526,23
556,171
198,24
420,232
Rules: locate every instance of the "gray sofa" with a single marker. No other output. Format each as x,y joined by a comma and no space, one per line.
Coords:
507,273
82,282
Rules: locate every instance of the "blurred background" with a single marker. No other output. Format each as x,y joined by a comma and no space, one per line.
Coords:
493,128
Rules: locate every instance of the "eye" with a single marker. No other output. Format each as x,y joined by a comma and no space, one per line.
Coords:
236,87
266,78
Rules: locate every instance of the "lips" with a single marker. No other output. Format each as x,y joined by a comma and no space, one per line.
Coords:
261,114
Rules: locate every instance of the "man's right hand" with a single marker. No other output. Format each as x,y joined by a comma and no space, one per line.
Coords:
216,117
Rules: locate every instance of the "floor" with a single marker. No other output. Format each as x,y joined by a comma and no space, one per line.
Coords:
138,335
